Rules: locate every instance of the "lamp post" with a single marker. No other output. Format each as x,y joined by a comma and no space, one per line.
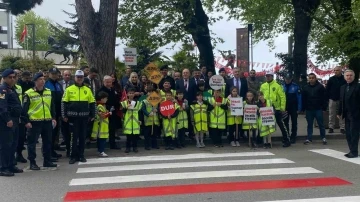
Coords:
250,42
33,38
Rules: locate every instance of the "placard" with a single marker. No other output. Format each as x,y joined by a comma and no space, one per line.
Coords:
267,116
216,82
130,56
150,68
154,98
156,77
167,108
206,96
236,106
250,114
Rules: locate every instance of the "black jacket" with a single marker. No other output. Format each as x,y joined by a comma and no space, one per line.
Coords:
351,100
113,99
26,85
243,88
333,87
172,82
314,97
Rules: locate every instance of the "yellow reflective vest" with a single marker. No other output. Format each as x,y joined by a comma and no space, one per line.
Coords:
163,95
266,130
40,105
231,120
218,115
18,90
275,93
131,125
199,117
248,126
150,120
170,125
182,118
101,126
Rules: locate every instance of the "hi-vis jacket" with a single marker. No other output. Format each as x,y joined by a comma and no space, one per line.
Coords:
232,120
38,106
182,118
266,130
170,125
78,101
199,116
218,114
150,118
248,126
101,125
132,122
275,93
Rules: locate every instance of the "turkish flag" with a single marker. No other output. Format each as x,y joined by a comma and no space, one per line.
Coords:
23,34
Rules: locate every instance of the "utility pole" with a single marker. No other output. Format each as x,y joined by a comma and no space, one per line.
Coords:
250,38
290,45
33,39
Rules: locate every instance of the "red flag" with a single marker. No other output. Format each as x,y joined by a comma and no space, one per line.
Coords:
123,96
23,34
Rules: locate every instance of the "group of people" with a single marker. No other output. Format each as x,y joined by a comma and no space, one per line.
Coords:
46,105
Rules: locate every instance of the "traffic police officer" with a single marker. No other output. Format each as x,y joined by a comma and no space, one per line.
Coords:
38,114
78,108
10,110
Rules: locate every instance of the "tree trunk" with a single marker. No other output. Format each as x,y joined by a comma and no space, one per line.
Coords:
97,33
303,10
196,22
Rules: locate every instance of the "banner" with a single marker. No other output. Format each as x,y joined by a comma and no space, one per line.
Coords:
267,116
250,114
236,106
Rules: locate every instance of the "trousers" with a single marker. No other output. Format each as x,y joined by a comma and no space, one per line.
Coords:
78,133
216,135
15,141
293,115
352,134
280,123
151,139
22,137
43,128
6,137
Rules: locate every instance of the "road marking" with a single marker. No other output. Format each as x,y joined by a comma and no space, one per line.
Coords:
173,157
330,199
204,188
192,175
336,154
184,165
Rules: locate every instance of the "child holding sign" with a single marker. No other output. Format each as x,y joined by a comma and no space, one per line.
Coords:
182,119
169,121
100,128
217,118
250,100
233,121
265,130
131,125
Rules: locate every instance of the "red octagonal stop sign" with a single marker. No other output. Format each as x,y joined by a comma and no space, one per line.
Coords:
167,108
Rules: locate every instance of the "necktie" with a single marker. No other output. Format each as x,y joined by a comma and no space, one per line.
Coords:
185,84
347,88
197,80
66,84
237,84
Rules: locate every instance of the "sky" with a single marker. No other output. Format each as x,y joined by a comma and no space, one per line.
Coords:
224,29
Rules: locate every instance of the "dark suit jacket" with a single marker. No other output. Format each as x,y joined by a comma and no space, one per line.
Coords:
189,95
62,82
243,88
97,85
353,98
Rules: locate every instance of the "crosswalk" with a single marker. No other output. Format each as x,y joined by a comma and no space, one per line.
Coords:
190,168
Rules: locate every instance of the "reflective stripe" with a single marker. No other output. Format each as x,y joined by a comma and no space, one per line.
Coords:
217,115
131,121
40,105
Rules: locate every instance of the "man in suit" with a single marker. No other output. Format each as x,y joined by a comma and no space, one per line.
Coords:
164,71
67,81
349,109
240,83
187,85
95,84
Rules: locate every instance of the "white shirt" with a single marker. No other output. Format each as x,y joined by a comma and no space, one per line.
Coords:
186,82
239,84
64,84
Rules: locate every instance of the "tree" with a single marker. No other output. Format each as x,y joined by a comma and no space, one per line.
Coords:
97,33
183,59
158,23
14,62
42,30
21,6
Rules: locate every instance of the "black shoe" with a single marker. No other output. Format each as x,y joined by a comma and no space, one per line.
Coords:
127,150
58,148
115,147
63,143
72,161
293,141
342,131
56,155
52,159
167,148
147,148
83,160
331,130
50,165
20,159
16,170
6,173
171,148
67,154
33,166
135,150
351,155
157,147
183,145
286,144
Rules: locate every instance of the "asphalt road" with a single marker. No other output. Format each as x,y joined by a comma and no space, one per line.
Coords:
284,174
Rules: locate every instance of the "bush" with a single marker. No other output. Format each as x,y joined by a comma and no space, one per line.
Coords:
27,64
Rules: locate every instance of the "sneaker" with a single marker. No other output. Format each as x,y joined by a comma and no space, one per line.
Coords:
324,141
307,142
331,130
237,143
103,154
232,143
198,145
202,144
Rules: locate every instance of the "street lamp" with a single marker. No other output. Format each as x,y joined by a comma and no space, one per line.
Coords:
250,41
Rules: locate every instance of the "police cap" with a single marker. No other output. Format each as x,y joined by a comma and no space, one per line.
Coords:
38,75
7,72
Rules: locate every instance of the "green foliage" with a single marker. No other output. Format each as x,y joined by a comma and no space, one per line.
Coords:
120,67
19,7
287,66
42,30
25,64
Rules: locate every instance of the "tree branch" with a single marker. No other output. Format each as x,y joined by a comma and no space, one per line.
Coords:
86,16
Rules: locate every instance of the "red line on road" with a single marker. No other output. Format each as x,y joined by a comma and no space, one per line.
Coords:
202,188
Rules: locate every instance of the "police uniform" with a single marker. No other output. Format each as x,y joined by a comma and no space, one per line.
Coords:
39,111
20,146
78,105
10,110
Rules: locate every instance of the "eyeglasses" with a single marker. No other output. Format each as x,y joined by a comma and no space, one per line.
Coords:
79,77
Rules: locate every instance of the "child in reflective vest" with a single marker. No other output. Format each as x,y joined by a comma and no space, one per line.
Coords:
217,121
100,128
169,122
233,121
265,131
182,119
250,100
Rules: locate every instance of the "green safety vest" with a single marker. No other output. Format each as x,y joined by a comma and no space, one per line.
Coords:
150,120
163,95
248,126
101,126
218,115
231,120
131,125
169,125
182,119
266,130
18,90
200,117
40,105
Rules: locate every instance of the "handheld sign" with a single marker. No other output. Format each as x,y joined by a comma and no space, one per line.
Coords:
167,108
267,116
154,98
216,82
150,68
156,77
206,96
236,106
250,114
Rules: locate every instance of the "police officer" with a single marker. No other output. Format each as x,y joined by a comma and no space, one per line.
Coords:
10,110
293,105
39,117
78,108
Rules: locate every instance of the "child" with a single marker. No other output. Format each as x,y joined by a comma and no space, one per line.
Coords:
151,122
207,94
131,124
265,131
199,119
232,121
169,123
217,118
182,119
100,128
167,88
250,100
